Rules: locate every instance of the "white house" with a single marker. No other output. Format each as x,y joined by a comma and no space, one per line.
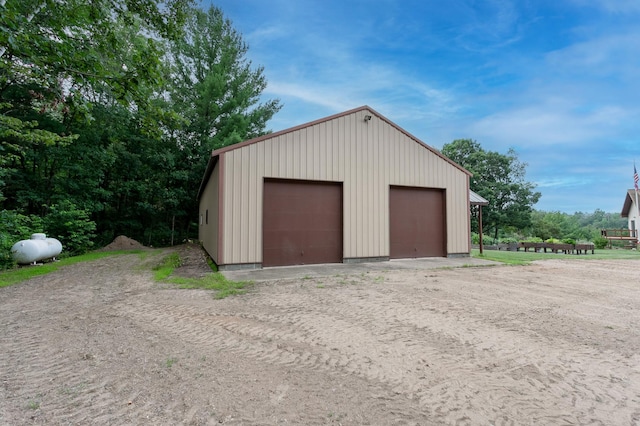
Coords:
630,211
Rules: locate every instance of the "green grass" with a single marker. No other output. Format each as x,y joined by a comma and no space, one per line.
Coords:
525,258
213,281
33,404
166,267
23,273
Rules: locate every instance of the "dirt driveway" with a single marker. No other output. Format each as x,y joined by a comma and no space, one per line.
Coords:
553,343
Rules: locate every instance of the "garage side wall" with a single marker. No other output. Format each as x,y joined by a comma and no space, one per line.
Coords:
366,156
208,231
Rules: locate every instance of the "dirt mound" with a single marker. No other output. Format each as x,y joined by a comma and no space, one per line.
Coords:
123,243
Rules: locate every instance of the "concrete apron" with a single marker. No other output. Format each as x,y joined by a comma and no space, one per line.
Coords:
332,269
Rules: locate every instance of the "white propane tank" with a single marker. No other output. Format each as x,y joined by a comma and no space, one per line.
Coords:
39,247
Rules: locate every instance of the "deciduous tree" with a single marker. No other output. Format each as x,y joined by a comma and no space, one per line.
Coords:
499,178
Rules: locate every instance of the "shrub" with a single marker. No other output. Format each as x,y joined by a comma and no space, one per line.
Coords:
569,241
600,242
13,228
71,226
508,240
475,238
532,240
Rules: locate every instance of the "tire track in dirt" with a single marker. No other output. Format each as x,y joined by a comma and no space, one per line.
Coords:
44,361
435,340
548,343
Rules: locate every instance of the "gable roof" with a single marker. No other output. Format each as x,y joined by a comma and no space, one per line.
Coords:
476,199
628,202
216,153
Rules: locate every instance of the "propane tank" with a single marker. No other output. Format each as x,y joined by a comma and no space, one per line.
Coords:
39,247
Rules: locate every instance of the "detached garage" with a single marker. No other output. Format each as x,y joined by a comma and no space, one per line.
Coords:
347,188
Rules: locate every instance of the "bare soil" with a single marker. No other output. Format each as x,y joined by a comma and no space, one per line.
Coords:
553,343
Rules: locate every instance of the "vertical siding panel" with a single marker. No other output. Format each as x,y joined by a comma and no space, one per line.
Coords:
310,147
353,182
374,185
399,166
325,151
294,160
274,151
318,145
379,173
252,217
236,207
303,143
337,159
245,197
386,164
267,158
262,163
408,161
282,156
431,176
416,155
422,159
344,170
374,177
350,176
372,147
227,206
364,185
283,153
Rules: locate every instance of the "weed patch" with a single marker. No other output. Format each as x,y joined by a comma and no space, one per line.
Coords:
214,281
170,362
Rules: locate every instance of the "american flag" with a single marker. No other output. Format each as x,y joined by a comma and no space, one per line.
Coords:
635,177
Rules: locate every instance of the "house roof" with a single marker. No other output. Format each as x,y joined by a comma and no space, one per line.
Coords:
476,200
216,153
628,202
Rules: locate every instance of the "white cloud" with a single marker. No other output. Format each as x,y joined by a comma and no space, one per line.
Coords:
549,124
608,54
612,6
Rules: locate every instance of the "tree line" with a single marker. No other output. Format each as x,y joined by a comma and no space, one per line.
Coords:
510,216
109,111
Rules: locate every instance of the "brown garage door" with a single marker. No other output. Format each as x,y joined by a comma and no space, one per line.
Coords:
302,223
417,222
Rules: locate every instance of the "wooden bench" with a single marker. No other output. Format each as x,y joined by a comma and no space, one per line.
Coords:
555,248
585,248
535,246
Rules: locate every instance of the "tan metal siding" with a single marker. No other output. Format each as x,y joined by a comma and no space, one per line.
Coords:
208,229
367,157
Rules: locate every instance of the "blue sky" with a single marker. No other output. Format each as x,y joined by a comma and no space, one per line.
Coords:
558,81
